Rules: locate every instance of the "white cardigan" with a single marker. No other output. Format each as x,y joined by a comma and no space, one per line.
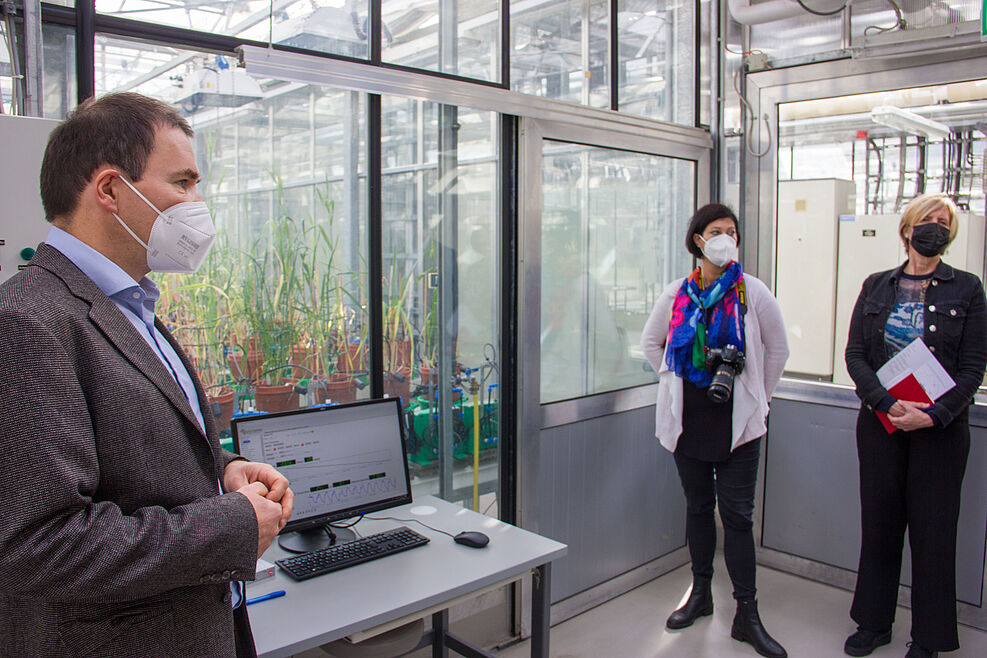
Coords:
766,351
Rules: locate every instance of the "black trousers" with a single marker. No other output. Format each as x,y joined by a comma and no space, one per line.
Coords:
913,480
729,484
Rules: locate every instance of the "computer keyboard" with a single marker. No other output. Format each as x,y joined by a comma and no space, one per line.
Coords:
340,556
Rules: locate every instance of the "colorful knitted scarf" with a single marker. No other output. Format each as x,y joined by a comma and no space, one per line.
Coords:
701,318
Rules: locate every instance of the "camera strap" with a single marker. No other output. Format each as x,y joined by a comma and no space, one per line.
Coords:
742,297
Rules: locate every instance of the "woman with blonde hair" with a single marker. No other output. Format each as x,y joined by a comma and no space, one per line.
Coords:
912,477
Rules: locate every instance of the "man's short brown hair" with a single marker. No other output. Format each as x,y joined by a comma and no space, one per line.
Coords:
116,130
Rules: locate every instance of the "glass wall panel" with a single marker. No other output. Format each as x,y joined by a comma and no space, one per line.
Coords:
559,50
6,73
441,282
657,60
59,70
613,226
847,166
331,26
461,37
276,318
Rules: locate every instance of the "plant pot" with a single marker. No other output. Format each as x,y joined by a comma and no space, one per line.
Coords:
351,358
341,388
398,384
397,354
282,397
429,376
223,403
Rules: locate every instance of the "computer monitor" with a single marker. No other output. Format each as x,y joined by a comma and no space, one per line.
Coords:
342,461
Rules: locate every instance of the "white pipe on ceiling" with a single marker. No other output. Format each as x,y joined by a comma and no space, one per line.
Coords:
743,11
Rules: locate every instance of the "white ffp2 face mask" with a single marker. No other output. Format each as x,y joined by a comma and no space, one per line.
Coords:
181,235
720,249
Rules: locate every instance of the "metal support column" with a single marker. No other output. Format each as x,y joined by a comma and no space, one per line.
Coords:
85,49
351,194
448,320
440,626
375,245
541,608
33,60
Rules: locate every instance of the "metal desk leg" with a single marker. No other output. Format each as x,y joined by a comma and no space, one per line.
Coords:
440,626
541,601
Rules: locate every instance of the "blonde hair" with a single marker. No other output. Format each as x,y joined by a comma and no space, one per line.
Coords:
920,207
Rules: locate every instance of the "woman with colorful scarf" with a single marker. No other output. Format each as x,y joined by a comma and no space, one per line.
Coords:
717,341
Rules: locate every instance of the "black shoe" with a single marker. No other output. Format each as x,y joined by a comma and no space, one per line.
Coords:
916,651
700,604
747,627
863,642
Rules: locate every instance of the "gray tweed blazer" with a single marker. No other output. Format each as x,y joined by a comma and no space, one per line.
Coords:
115,541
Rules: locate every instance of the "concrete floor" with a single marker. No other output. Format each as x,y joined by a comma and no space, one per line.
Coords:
809,619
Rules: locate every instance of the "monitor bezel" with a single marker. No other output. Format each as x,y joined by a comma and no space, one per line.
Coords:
320,520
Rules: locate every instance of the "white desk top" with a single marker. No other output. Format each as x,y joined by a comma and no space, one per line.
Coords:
326,608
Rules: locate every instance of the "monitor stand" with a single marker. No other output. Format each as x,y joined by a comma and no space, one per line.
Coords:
315,539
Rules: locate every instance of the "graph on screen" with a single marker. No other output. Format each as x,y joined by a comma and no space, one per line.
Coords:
338,460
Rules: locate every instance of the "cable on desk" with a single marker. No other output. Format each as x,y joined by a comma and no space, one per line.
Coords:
344,526
394,518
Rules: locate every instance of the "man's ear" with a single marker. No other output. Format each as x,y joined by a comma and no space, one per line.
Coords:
105,185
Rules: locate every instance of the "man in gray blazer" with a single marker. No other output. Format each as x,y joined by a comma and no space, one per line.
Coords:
127,529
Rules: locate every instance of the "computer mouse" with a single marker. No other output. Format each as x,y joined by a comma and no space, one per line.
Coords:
472,539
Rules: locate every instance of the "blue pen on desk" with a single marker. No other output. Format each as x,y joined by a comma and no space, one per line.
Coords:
265,597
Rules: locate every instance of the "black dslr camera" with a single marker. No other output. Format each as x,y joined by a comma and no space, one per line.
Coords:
725,363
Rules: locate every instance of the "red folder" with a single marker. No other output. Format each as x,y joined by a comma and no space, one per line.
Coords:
907,389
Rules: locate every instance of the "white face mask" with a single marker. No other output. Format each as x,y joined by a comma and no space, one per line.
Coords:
181,236
720,250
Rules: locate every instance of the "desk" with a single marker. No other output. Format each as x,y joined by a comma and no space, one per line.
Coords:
415,583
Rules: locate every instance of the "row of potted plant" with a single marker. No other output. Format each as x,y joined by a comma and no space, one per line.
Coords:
285,315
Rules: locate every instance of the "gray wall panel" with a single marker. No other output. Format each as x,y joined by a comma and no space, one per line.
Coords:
811,483
611,492
811,503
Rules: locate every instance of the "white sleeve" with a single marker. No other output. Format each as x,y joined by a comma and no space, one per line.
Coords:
774,338
656,328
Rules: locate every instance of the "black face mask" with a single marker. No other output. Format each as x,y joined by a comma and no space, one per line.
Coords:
929,239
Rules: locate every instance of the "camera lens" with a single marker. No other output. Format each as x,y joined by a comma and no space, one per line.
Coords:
721,386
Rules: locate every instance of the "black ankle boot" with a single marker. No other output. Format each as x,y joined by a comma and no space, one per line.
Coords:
747,627
700,604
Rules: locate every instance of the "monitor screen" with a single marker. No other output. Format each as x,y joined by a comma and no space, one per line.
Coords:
341,460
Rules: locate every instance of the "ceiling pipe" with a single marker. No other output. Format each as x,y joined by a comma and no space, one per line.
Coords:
775,10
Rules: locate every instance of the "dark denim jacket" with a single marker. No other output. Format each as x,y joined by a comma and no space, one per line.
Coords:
955,331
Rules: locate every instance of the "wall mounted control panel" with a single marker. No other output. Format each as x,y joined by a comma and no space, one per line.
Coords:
22,221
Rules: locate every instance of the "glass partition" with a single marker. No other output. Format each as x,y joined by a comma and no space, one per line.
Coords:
276,318
559,50
452,36
847,166
441,280
331,26
613,225
59,70
657,60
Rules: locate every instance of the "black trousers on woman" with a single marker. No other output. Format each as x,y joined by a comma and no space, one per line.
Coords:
913,480
729,483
